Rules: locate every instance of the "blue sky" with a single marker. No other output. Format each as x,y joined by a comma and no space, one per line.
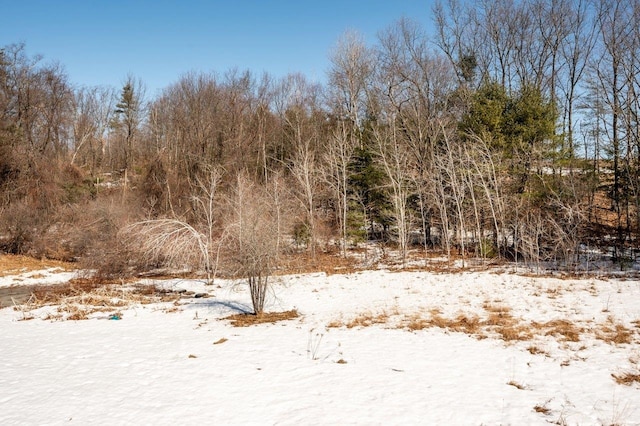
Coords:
100,42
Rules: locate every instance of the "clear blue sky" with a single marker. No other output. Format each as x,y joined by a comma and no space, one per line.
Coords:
100,42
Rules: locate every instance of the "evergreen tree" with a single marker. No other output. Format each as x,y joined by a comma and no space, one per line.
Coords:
127,119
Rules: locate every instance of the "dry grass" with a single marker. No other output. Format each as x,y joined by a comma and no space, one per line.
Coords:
563,328
368,319
505,325
627,378
16,264
417,322
542,409
463,323
516,385
534,350
247,320
499,322
335,324
80,298
614,333
365,319
329,263
220,341
515,333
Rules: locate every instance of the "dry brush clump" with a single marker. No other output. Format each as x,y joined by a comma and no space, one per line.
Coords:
246,320
100,224
614,332
628,378
80,299
183,241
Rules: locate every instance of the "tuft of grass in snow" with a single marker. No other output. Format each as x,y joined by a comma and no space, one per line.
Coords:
535,350
516,385
542,409
247,320
563,328
614,333
627,378
368,319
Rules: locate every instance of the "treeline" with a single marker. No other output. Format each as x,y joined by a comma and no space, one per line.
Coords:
512,132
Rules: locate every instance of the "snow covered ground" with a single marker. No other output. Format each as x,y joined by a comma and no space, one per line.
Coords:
373,347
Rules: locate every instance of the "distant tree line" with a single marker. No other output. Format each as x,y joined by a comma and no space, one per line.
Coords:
510,132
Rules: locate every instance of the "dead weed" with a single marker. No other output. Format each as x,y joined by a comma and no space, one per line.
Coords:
627,378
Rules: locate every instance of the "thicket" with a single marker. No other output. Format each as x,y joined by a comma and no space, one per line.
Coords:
511,132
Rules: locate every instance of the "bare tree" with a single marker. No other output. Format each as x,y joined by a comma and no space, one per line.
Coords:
349,75
615,27
93,110
297,106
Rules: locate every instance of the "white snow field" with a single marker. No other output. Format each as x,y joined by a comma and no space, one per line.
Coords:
368,348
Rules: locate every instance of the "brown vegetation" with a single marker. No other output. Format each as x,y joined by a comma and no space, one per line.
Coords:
418,148
247,320
499,323
614,333
627,378
18,264
79,299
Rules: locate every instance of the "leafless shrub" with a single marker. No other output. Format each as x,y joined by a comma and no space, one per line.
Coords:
171,242
97,228
174,241
253,238
18,228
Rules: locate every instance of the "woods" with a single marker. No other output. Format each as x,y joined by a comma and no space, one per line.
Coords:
510,132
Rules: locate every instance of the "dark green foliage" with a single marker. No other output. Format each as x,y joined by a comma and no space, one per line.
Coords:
301,234
486,113
366,184
529,119
128,102
513,124
467,66
356,223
